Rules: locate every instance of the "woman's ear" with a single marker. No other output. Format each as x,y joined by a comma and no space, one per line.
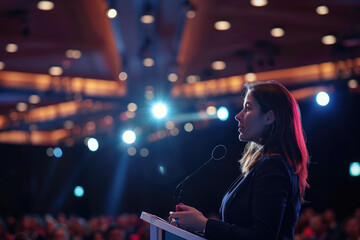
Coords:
270,117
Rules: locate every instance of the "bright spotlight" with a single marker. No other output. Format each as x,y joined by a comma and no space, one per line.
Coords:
129,137
322,98
222,113
354,169
92,144
79,191
58,152
159,110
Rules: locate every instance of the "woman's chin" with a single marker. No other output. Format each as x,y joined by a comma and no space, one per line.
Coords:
242,138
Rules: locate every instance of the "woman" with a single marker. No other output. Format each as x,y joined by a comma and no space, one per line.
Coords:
264,202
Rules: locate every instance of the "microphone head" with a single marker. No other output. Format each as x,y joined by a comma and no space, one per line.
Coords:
218,152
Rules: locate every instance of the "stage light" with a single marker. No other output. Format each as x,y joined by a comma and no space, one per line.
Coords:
79,191
45,5
148,62
21,107
11,47
131,151
277,32
58,152
111,13
188,127
144,152
174,131
322,10
322,98
250,77
328,39
192,79
352,83
258,3
50,152
2,65
169,125
55,71
172,77
34,99
354,169
92,144
132,107
162,170
218,65
129,136
72,53
123,76
147,19
159,110
222,25
191,14
211,110
222,113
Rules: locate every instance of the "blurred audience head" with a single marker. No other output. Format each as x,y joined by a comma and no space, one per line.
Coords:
318,225
60,233
114,233
352,228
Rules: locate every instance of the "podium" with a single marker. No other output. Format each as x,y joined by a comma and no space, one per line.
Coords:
161,230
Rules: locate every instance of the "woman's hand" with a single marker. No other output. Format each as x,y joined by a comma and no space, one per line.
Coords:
189,218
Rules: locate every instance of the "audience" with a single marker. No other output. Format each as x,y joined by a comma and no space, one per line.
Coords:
310,226
315,226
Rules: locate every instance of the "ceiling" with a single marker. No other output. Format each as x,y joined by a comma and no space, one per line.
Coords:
88,97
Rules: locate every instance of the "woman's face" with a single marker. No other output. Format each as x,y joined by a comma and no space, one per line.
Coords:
252,122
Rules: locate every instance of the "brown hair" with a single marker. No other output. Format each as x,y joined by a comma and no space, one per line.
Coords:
284,136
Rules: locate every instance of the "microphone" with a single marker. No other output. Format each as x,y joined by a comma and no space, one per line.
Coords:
217,153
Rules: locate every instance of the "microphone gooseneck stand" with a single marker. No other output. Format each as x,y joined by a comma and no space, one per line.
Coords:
217,153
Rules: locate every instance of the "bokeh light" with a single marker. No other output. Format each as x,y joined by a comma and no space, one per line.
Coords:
144,152
222,113
354,169
79,191
50,152
131,151
162,170
92,144
129,136
58,152
188,127
322,98
159,110
111,13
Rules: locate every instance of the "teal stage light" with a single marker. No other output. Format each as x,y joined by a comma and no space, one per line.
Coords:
222,113
79,191
354,169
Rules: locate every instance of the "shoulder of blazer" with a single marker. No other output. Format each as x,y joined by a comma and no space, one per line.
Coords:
274,163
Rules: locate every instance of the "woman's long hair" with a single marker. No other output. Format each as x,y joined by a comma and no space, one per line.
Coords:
284,136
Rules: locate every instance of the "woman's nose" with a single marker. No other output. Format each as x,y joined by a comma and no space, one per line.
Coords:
237,117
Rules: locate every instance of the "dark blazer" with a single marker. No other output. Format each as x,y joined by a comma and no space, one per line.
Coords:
263,205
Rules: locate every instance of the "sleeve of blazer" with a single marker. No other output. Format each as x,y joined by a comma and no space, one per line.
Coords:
272,186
